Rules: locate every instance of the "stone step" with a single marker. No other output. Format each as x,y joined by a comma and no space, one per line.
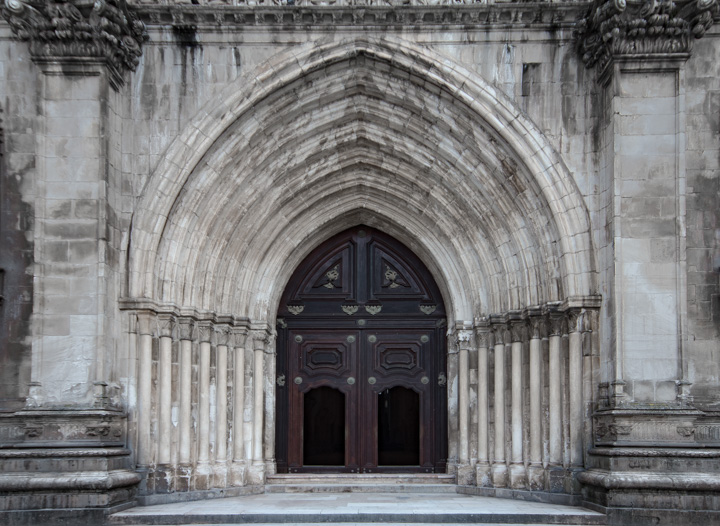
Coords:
357,508
353,479
360,488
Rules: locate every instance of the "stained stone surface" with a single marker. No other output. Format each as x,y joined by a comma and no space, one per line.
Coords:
165,166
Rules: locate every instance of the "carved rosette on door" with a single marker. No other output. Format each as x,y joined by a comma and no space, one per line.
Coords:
362,400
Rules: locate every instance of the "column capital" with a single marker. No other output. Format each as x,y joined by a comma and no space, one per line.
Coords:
166,325
499,329
186,329
206,331
145,322
238,336
537,324
73,32
463,338
576,320
517,329
556,324
222,334
617,28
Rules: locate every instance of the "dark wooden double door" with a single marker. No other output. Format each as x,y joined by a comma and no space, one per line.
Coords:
361,361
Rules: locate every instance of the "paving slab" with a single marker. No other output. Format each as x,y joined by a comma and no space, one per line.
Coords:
358,508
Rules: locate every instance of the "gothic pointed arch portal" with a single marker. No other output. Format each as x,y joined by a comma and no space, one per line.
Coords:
361,341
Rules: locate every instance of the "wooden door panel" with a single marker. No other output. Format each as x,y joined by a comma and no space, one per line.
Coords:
361,338
322,359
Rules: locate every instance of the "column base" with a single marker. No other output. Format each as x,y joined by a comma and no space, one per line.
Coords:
238,473
256,473
499,475
518,477
220,474
465,475
482,475
535,477
555,479
203,476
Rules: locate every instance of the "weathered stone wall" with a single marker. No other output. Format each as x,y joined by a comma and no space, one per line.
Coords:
533,174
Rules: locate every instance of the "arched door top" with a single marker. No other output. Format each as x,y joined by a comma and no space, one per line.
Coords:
362,272
453,166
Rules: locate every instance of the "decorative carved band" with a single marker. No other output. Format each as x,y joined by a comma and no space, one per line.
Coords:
649,27
57,30
331,13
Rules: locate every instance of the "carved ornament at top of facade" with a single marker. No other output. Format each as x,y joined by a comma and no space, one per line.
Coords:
61,30
333,13
613,28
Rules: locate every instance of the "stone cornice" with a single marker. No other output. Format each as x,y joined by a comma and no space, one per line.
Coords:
79,30
284,14
641,28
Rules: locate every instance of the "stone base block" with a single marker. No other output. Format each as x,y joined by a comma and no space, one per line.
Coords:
482,475
499,475
536,477
465,475
518,477
256,474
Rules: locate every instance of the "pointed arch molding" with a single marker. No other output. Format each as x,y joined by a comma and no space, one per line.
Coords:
381,132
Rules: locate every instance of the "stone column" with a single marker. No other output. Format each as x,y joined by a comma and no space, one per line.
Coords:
204,470
145,325
186,330
482,337
575,386
257,471
166,325
463,339
269,415
535,469
238,436
517,466
555,326
499,467
222,335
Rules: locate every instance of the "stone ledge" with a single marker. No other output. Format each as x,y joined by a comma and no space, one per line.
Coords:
651,481
522,15
97,480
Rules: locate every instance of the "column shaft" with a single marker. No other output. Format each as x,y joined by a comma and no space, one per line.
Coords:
165,399
185,401
221,419
499,469
239,404
576,410
144,399
204,403
555,409
463,405
258,407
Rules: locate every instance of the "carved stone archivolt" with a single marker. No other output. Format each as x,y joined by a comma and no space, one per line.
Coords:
650,27
79,30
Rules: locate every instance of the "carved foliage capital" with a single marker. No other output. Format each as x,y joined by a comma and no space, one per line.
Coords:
648,27
463,339
166,324
556,324
222,335
61,29
238,337
576,320
186,329
205,332
499,332
537,326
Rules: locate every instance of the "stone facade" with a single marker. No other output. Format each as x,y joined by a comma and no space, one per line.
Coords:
166,166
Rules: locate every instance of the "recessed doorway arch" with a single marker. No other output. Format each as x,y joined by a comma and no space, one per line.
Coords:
361,343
